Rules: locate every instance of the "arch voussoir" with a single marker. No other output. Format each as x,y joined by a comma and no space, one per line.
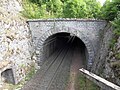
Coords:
73,31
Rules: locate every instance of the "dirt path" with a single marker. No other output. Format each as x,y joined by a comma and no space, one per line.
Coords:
75,66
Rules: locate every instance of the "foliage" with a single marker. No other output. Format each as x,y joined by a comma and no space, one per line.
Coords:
110,9
93,8
82,83
81,9
30,74
116,31
61,8
116,24
112,42
32,10
71,9
8,86
74,9
111,12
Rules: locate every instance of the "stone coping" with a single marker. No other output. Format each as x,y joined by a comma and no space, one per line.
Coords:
65,19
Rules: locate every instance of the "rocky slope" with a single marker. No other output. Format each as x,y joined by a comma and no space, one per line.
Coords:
107,61
15,39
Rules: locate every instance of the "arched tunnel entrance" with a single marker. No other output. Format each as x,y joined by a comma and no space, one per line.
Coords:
62,41
62,46
63,54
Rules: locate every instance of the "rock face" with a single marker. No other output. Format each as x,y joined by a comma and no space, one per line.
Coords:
107,61
112,67
15,39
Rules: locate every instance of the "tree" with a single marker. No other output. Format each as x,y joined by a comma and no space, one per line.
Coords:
116,24
93,8
74,9
63,8
81,9
54,7
110,9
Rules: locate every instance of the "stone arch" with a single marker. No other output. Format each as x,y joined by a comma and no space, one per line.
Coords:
72,31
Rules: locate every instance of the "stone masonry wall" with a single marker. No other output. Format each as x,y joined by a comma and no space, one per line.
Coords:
87,30
15,39
105,38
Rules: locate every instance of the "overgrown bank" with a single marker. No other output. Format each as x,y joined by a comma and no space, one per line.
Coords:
108,60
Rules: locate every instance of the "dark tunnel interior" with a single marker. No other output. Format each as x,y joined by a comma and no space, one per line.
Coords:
63,55
59,41
7,76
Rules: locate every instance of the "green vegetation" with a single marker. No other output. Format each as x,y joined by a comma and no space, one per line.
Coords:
111,12
116,24
8,86
81,9
34,9
82,83
30,74
110,9
112,43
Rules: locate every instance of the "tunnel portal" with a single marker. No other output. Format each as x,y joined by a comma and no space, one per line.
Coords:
63,55
50,42
88,31
59,41
62,46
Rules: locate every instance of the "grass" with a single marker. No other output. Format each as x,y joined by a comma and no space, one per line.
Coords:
30,74
9,86
112,42
82,83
